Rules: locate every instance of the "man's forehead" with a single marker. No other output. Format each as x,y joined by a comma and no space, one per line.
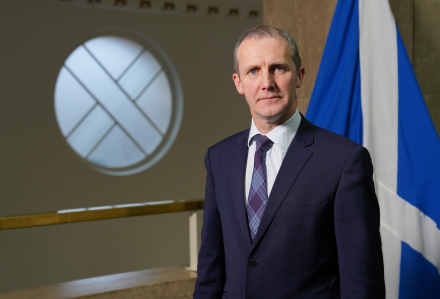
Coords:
268,46
256,41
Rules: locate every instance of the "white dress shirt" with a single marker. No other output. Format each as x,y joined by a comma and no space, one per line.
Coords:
281,137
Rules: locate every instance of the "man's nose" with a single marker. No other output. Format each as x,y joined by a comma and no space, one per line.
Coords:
268,82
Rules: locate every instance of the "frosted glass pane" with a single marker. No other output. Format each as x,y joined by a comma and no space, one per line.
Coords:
133,121
114,53
90,131
114,100
90,73
72,102
139,74
157,103
138,127
116,150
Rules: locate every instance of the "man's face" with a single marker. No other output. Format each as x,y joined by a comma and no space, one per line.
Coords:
268,79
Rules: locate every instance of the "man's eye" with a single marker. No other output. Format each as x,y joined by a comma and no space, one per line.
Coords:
279,68
253,72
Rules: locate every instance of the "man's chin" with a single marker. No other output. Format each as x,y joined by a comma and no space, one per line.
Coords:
277,117
271,118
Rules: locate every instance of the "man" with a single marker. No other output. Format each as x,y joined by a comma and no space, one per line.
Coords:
290,208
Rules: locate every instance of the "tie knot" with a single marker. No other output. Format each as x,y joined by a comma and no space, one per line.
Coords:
262,142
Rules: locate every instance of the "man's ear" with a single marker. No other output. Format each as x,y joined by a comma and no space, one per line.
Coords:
301,73
237,83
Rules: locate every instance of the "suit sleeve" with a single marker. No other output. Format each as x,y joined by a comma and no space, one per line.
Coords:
357,230
211,275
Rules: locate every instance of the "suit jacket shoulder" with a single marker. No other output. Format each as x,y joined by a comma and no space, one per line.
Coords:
326,146
324,138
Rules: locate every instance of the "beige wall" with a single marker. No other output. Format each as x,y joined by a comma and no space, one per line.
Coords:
309,21
40,173
427,53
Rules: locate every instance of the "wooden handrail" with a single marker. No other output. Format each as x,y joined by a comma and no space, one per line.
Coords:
100,213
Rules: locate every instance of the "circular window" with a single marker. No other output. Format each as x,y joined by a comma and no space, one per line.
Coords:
118,103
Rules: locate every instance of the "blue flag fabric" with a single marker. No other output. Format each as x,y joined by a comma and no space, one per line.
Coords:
339,77
366,90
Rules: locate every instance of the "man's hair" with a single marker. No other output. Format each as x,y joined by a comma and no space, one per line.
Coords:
265,31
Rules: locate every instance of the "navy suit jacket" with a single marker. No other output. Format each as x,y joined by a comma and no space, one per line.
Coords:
319,234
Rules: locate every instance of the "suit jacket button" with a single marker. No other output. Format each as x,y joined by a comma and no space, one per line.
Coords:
252,263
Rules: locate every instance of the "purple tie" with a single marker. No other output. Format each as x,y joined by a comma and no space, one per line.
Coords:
257,199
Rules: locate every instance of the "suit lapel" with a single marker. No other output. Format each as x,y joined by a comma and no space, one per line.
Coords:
237,170
296,158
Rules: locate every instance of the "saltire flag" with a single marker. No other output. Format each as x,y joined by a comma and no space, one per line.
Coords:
366,90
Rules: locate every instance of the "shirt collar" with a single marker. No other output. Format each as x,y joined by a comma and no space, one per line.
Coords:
281,135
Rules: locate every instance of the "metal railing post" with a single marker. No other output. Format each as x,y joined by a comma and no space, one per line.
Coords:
193,241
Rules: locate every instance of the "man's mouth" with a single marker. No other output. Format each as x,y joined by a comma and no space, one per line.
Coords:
270,98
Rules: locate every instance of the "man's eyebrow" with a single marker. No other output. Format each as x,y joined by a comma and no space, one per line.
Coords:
251,67
275,64
271,66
